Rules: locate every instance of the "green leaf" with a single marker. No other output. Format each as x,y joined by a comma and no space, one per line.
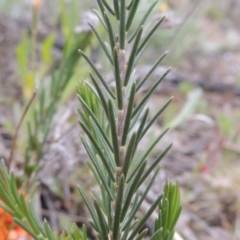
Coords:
137,205
50,234
102,44
108,7
128,115
122,32
46,50
99,151
101,6
154,164
132,57
152,31
145,218
169,211
110,31
138,135
22,51
151,71
132,13
141,23
100,93
100,174
27,229
118,79
149,93
90,207
157,235
116,8
132,187
103,224
156,116
140,128
141,235
104,145
96,121
100,19
145,155
112,123
97,73
129,155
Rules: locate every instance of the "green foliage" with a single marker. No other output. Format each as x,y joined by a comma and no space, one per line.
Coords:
41,116
112,144
169,211
16,205
114,124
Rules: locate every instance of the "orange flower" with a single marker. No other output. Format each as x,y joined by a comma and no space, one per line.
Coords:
8,229
37,3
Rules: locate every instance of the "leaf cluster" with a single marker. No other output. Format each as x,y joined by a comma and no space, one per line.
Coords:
41,123
113,125
113,139
22,211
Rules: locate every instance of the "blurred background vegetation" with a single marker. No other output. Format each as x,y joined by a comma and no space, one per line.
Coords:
38,48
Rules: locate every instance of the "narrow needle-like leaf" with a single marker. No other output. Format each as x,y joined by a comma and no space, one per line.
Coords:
97,73
100,93
129,154
137,206
156,116
103,224
100,19
101,6
90,208
112,122
100,173
96,122
128,115
110,31
140,129
48,230
154,164
132,13
118,79
151,71
99,151
26,228
132,56
108,7
122,32
154,144
116,8
132,189
143,20
145,41
144,219
101,43
150,91
141,235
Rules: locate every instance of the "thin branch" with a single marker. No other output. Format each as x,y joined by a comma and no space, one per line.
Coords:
13,146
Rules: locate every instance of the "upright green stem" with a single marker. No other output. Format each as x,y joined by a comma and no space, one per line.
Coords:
122,109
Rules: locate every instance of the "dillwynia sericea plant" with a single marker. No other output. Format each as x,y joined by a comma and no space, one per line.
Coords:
114,126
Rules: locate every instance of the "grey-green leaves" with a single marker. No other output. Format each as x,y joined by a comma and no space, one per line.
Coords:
22,211
114,119
114,124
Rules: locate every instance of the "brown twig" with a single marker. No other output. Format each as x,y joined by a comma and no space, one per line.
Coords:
17,130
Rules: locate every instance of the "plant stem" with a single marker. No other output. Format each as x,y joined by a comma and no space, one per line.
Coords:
13,146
